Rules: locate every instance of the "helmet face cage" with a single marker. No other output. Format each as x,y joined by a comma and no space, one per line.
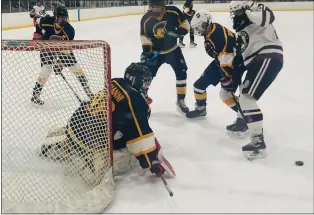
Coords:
236,8
61,15
139,77
200,23
200,30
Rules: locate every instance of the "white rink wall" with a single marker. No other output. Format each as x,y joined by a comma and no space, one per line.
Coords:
22,20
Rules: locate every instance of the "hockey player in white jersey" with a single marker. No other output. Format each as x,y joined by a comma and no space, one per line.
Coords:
263,58
37,12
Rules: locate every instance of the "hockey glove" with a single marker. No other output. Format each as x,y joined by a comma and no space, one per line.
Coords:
227,83
157,169
147,59
162,161
210,49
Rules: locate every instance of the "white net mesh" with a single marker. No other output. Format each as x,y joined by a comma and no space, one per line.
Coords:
56,157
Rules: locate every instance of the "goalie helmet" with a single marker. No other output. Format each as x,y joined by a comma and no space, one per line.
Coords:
157,3
138,76
200,22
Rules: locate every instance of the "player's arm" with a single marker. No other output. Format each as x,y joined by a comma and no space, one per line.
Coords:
184,25
219,38
32,14
260,15
145,37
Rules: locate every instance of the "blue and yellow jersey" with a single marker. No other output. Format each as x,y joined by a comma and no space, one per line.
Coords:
130,116
224,42
48,24
153,30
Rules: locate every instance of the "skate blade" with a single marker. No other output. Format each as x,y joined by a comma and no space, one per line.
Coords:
193,46
253,155
238,134
180,111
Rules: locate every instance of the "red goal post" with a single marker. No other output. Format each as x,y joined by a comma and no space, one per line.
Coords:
83,181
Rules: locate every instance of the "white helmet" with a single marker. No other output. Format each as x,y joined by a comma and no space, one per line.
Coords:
237,7
201,20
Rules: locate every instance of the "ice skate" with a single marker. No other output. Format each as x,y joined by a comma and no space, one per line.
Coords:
199,111
255,149
181,106
238,129
181,44
193,44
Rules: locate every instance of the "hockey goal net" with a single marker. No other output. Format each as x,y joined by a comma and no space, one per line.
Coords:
79,180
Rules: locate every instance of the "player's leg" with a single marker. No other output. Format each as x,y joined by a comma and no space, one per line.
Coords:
69,60
238,128
153,67
181,43
259,77
210,76
45,71
178,64
192,42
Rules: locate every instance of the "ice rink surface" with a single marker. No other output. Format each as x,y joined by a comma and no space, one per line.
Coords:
212,174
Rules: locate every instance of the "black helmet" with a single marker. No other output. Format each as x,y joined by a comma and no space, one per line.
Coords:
61,11
138,76
157,3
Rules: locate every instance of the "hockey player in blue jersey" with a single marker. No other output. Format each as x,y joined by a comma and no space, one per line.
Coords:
56,27
189,14
131,129
226,68
263,59
161,27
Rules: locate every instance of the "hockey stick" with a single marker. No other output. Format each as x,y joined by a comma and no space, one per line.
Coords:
166,185
65,80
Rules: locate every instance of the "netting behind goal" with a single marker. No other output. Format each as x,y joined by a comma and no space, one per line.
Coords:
76,176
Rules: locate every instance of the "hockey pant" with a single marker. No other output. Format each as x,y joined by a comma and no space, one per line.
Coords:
260,75
212,76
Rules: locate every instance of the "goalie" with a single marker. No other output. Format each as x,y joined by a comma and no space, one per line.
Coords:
132,134
56,27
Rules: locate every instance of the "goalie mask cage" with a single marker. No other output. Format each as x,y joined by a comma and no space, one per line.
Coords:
80,181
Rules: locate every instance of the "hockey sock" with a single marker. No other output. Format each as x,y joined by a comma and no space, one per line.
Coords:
200,96
252,114
42,79
226,97
181,88
191,38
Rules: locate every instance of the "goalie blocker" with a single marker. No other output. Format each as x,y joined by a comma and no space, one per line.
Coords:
132,135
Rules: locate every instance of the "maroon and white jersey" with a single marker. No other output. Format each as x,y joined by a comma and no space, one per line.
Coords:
39,10
260,38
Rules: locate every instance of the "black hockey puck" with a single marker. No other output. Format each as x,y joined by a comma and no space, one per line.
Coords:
299,163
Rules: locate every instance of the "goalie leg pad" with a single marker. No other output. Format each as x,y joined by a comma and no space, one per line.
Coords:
123,161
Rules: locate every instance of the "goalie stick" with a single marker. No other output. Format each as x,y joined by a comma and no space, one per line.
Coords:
166,185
